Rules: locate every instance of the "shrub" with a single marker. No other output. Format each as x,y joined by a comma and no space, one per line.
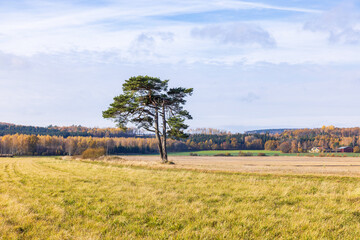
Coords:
276,154
285,147
356,149
261,154
223,154
245,154
93,153
193,154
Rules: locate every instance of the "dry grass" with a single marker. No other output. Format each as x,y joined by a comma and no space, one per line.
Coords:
335,166
45,198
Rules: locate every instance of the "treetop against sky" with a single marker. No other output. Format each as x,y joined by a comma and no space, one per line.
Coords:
252,64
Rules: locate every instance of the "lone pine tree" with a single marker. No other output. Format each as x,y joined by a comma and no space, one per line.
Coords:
148,103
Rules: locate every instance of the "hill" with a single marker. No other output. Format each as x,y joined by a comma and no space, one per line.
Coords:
269,131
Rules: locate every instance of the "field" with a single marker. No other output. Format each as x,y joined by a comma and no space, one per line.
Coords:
334,166
232,152
255,152
48,198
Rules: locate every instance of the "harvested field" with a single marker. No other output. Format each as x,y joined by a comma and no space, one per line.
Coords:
342,166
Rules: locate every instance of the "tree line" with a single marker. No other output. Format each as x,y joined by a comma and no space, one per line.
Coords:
70,131
21,144
295,141
228,141
302,140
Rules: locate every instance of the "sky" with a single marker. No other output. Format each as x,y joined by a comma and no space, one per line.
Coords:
253,64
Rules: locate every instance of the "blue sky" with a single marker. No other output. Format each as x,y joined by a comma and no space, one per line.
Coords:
253,64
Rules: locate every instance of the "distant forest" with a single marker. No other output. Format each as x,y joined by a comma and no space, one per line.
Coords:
270,131
71,131
27,140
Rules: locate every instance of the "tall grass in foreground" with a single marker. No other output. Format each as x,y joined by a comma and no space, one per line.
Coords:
44,198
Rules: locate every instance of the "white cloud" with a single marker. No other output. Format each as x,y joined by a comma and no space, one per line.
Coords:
145,39
11,61
342,24
250,97
237,34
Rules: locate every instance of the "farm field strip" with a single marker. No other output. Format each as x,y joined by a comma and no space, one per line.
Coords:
46,198
349,166
255,152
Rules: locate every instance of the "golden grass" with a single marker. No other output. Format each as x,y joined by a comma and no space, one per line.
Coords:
335,166
45,198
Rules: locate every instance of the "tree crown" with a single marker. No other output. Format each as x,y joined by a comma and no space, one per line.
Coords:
146,99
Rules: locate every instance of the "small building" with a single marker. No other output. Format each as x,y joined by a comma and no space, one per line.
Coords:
345,149
316,150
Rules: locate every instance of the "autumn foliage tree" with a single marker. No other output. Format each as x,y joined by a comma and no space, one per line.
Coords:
356,149
149,104
285,147
271,145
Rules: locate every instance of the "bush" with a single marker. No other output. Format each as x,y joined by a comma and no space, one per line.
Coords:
93,153
194,154
245,154
276,154
223,154
261,154
285,147
356,149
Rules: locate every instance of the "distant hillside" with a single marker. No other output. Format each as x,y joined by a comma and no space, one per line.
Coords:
269,131
8,128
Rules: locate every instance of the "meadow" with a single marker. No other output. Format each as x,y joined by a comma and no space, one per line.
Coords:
47,198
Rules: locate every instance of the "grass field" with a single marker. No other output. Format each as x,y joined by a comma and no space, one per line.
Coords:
255,152
45,198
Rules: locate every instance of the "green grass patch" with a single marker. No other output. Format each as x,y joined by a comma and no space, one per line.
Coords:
44,198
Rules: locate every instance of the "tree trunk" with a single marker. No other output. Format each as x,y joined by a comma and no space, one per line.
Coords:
164,156
157,134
